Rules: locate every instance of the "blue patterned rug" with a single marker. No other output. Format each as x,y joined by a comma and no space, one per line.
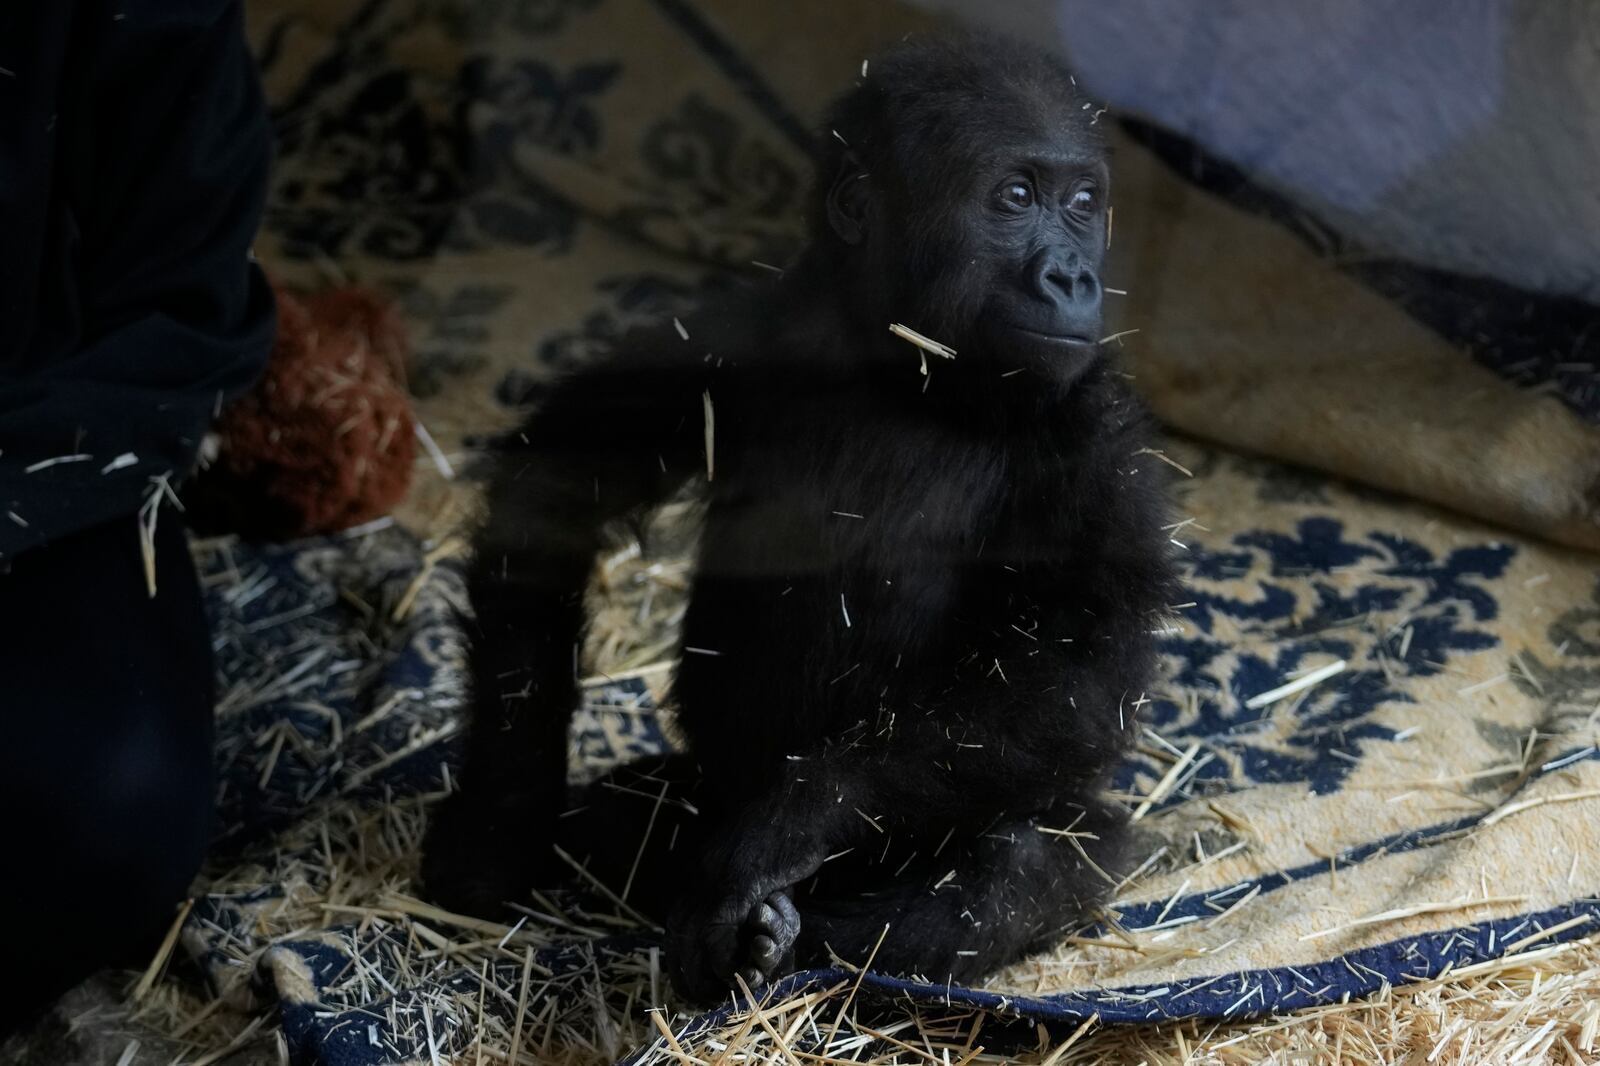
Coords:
533,175
1449,766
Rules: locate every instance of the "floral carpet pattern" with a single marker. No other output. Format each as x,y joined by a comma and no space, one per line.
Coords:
1373,755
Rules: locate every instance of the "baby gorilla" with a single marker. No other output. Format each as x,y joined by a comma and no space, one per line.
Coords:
921,616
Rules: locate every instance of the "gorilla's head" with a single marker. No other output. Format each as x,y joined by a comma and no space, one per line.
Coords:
963,190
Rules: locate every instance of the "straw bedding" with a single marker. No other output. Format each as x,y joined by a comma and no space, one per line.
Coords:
1367,784
1412,829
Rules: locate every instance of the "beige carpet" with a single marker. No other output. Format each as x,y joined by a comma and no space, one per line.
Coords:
1372,762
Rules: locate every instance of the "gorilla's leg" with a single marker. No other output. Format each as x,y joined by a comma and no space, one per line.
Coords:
638,831
982,904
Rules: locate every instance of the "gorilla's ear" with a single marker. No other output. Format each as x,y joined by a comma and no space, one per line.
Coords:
849,199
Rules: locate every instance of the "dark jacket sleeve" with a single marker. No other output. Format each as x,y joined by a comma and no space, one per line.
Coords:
133,308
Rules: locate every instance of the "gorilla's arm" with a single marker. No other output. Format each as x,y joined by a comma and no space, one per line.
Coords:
610,441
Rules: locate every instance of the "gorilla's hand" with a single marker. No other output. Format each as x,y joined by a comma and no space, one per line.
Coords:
713,942
746,924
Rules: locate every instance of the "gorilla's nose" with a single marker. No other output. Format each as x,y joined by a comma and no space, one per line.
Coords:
1069,280
1071,287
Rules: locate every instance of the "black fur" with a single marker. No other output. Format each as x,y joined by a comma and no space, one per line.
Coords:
922,616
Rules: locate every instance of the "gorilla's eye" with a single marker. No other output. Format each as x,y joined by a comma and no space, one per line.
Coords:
1083,200
1017,193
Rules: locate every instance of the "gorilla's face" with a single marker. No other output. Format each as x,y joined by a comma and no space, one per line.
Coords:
980,218
1045,227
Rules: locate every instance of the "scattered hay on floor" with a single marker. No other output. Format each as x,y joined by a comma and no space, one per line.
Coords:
353,865
1541,1007
1544,1007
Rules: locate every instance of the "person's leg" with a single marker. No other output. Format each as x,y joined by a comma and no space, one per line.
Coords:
105,754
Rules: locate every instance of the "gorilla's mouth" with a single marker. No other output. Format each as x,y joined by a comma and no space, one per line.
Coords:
1070,340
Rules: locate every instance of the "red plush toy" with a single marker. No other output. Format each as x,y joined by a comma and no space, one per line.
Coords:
326,439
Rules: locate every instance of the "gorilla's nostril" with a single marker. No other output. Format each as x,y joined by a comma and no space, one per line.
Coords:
1064,279
1084,289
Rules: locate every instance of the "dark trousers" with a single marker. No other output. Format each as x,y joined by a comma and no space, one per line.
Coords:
105,755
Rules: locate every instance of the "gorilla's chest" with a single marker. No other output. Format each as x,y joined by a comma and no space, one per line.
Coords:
820,487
